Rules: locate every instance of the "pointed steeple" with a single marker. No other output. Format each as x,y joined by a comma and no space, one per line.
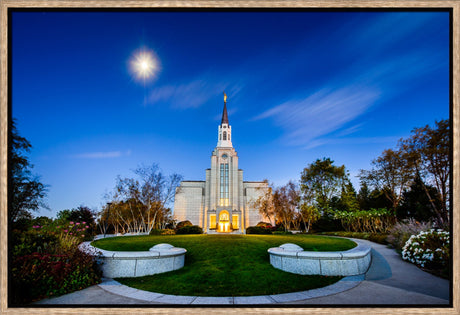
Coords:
225,130
224,113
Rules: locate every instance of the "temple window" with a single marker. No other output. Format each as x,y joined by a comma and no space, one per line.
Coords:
224,200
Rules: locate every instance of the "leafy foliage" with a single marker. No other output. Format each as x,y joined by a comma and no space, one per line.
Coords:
320,181
80,214
181,224
390,174
428,155
418,168
374,199
417,204
47,262
286,200
40,275
373,221
258,230
347,201
27,193
284,206
155,232
309,215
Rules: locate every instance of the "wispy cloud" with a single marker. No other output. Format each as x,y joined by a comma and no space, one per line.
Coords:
101,155
390,140
321,113
192,94
372,77
378,30
350,130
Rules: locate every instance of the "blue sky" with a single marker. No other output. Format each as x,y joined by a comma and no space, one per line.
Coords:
300,86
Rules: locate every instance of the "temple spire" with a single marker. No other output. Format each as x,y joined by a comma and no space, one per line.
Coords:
225,130
224,113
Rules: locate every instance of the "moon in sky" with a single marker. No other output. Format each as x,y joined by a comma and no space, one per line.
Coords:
144,65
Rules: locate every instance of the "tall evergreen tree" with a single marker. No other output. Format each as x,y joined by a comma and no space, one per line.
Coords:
26,192
363,197
416,204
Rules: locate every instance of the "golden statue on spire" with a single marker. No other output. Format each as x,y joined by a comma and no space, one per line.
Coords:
225,97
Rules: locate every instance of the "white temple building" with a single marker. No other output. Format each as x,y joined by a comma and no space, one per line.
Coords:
223,203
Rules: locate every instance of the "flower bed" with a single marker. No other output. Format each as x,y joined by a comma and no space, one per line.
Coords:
428,249
46,262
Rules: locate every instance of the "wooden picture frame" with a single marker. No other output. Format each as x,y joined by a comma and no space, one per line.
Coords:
6,5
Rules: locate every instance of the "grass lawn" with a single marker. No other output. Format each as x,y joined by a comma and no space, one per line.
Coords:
226,265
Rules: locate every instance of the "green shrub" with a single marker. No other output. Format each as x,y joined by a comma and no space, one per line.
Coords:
168,232
373,237
155,232
325,224
31,241
191,229
258,230
40,275
181,224
378,238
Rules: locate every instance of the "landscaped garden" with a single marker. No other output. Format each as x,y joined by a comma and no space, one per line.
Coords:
226,265
44,260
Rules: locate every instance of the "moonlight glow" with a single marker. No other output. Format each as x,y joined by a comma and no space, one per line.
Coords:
144,65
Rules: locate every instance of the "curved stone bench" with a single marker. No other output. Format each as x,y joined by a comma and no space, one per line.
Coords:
292,258
160,258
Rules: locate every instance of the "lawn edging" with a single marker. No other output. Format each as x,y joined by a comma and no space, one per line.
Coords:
117,264
292,258
344,284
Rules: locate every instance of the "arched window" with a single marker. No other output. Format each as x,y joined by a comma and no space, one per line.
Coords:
224,184
229,136
225,135
220,136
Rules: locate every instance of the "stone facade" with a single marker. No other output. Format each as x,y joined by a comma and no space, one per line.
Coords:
223,202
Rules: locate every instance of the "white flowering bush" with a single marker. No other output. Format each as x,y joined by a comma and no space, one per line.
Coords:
428,249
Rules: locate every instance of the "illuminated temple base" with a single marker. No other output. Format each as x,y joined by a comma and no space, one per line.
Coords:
223,203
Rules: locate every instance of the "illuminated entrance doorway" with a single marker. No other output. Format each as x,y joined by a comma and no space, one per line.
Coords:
224,222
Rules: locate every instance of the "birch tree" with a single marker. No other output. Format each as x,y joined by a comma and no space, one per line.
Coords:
140,204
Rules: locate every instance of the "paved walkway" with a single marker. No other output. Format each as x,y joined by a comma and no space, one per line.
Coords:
389,280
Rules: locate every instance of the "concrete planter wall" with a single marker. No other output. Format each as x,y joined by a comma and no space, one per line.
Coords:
292,258
160,258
